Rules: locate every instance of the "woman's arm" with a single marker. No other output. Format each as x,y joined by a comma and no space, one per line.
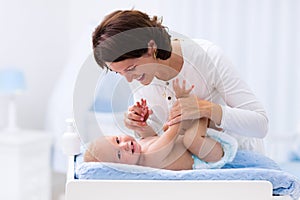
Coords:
243,113
193,107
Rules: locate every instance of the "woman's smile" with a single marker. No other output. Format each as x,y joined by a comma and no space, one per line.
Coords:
140,78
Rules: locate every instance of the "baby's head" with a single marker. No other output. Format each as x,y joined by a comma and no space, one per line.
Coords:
117,149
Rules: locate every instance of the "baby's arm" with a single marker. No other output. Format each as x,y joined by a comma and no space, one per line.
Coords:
165,143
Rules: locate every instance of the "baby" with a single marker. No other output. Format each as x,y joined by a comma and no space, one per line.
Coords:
186,145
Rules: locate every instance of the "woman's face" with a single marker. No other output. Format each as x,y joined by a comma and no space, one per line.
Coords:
119,149
142,69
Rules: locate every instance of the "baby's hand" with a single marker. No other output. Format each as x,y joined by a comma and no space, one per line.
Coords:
145,110
181,92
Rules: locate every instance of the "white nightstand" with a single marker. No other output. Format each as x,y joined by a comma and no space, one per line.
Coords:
25,170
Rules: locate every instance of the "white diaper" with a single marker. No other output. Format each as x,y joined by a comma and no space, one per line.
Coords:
229,145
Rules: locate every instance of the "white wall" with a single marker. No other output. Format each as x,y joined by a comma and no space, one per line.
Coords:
41,38
260,36
34,38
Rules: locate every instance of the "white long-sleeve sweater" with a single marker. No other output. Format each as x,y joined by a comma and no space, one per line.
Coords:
215,80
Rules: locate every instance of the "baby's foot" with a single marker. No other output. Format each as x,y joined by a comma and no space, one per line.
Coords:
145,109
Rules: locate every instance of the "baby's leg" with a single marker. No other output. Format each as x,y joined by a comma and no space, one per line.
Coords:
196,141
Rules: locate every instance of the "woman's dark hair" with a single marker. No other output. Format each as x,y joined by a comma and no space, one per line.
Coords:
125,34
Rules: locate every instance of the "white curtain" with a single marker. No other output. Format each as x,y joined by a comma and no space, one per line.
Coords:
262,38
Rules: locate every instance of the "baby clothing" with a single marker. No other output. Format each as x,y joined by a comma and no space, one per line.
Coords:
229,145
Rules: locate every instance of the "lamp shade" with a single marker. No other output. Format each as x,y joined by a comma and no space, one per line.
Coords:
11,81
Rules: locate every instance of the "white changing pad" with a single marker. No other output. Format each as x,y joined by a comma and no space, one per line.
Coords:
246,166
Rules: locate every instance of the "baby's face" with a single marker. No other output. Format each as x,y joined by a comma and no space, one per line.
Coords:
120,149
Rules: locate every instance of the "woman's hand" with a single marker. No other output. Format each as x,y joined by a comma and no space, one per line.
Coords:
137,115
188,108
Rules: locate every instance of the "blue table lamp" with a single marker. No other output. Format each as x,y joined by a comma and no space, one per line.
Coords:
12,83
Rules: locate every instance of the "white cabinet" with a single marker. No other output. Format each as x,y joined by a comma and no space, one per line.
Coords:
25,169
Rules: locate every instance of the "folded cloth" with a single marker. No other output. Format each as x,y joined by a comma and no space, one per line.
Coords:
250,159
246,166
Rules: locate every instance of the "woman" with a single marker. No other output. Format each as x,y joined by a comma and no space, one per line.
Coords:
129,42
